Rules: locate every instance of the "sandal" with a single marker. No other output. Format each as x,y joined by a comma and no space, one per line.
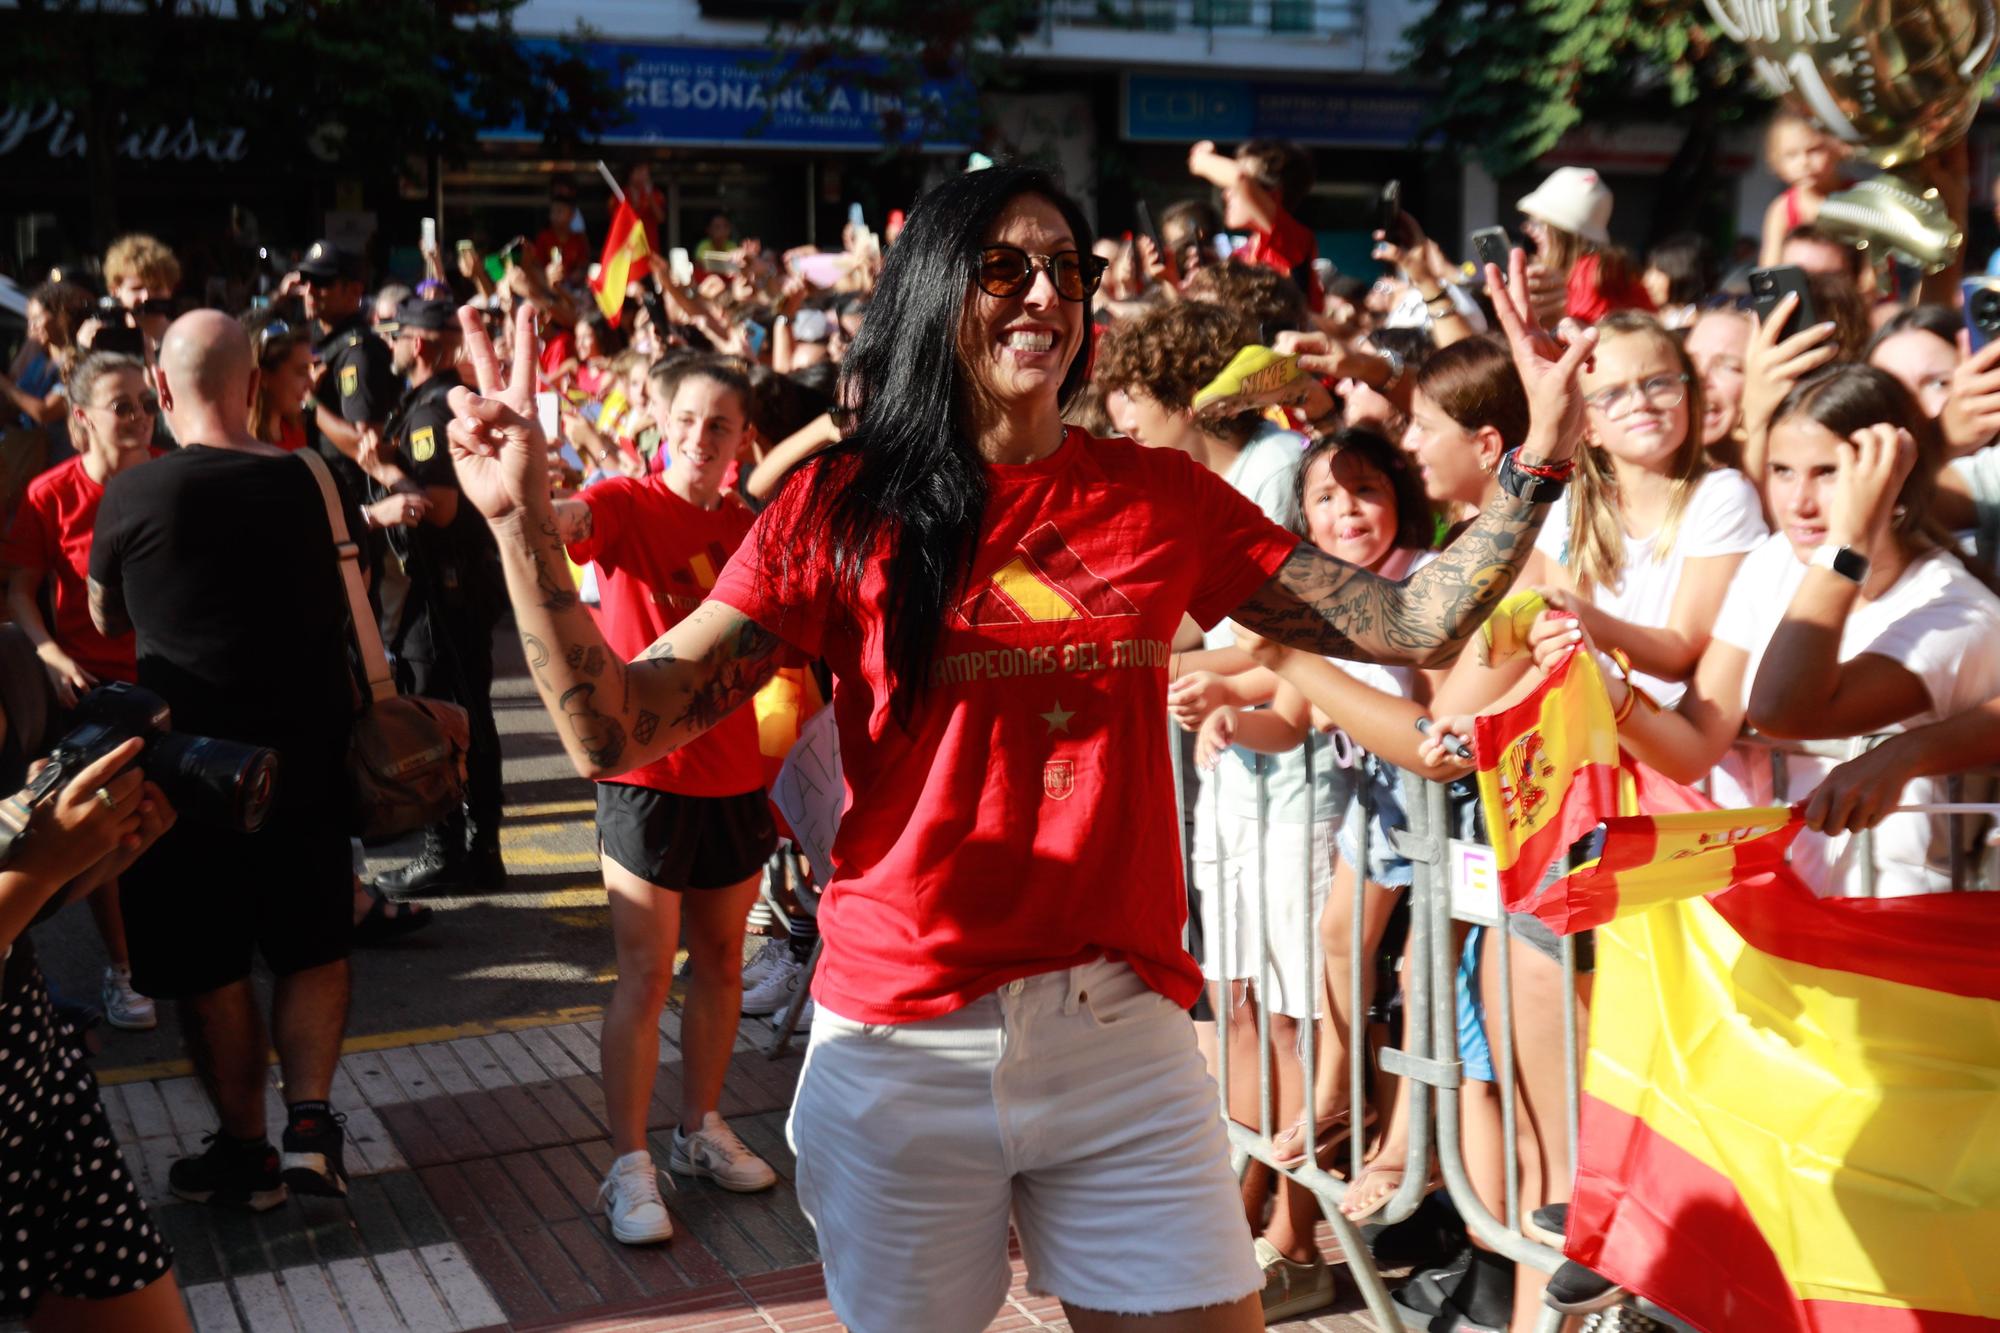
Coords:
388,919
1289,1147
1371,1191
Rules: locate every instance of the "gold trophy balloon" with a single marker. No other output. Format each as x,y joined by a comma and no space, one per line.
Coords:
1896,80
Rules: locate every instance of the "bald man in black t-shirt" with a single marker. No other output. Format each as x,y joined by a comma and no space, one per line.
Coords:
223,564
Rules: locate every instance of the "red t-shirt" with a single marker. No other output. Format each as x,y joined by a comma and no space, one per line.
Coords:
1587,300
1026,821
1290,248
657,557
51,532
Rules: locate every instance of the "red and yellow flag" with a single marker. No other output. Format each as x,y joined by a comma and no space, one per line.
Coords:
624,246
1791,1115
1548,771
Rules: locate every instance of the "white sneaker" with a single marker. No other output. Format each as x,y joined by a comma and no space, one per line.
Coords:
805,1018
631,1198
769,954
714,1151
124,1008
775,989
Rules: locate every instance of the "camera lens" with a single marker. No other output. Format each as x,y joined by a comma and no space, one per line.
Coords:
221,783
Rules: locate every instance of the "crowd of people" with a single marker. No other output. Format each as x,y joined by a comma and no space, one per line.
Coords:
909,478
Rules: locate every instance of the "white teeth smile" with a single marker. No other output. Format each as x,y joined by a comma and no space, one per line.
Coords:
1024,341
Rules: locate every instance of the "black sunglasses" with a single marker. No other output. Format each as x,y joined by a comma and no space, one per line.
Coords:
1008,270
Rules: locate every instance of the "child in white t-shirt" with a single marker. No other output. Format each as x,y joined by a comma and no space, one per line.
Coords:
1652,534
1853,619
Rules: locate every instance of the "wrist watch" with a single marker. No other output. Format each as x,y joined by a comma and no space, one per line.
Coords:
1440,306
1526,485
1845,561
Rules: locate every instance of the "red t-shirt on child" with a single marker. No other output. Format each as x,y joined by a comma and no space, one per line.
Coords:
1290,248
657,557
51,532
1026,820
1588,300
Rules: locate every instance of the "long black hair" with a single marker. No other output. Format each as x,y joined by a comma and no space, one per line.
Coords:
908,486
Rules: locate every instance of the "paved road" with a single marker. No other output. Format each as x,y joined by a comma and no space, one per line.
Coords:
541,947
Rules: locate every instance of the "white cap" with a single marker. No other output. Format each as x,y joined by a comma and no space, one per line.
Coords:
1575,200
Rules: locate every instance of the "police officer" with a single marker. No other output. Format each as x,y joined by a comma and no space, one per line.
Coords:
357,387
444,638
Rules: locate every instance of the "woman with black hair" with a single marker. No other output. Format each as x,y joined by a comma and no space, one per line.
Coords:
1002,997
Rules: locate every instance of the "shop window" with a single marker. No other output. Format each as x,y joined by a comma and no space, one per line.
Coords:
1222,13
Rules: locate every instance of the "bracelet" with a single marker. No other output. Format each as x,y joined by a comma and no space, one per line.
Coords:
1624,710
1442,299
1562,471
1624,661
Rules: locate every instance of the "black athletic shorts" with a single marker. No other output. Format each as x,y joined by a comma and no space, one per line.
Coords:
685,842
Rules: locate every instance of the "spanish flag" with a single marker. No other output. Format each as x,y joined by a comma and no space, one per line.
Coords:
1548,773
624,246
1791,1117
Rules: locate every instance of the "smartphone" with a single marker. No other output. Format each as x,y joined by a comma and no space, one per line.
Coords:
1389,208
679,267
856,218
430,235
1492,246
466,247
755,333
1981,298
1144,216
1768,286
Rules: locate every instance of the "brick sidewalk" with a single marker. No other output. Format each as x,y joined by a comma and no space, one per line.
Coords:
476,1164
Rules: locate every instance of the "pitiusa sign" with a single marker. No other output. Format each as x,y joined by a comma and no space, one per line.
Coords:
740,97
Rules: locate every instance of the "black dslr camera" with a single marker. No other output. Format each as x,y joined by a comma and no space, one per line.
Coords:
222,783
117,329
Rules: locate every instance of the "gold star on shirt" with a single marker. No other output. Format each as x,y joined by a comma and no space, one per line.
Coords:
1057,719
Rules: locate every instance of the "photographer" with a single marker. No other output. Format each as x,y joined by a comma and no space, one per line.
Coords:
251,650
77,1247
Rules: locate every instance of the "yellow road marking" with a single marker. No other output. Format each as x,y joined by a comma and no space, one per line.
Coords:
386,1041
537,856
551,808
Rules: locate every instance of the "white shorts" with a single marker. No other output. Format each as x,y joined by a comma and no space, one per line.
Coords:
1075,1102
1226,874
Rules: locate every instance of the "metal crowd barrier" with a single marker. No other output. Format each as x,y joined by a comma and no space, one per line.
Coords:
1454,881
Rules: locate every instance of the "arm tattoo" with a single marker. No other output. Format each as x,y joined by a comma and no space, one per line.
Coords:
744,664
1327,606
552,578
645,726
601,736
538,656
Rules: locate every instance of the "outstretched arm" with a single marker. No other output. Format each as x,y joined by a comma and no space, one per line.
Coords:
1330,607
1327,606
612,716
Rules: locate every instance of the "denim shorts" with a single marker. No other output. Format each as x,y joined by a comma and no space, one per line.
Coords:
1377,806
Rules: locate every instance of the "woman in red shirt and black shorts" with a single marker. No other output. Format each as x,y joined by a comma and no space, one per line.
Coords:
1002,1026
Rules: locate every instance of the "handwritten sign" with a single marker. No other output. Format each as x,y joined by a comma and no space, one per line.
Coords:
810,794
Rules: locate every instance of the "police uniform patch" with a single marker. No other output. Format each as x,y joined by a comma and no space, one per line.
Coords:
350,381
423,444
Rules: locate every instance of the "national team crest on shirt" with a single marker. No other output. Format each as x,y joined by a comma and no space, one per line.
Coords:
350,381
1045,583
1058,779
423,445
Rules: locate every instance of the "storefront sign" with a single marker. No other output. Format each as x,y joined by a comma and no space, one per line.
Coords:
738,97
51,130
1174,110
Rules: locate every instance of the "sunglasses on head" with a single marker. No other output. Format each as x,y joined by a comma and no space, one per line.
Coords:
1008,270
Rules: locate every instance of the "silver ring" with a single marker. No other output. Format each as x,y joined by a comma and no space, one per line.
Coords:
110,801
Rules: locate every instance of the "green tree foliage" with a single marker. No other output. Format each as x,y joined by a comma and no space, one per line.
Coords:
1513,76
